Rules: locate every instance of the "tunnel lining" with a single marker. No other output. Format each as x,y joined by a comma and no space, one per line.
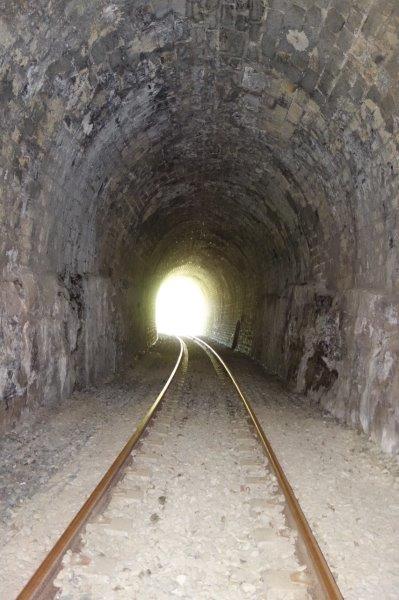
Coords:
267,130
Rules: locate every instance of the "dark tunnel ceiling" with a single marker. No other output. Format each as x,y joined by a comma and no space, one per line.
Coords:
261,120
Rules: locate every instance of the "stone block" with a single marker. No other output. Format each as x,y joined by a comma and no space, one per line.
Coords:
334,21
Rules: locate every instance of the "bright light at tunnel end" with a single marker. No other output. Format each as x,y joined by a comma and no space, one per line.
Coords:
181,307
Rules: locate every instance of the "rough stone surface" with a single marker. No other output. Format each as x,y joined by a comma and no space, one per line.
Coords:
253,144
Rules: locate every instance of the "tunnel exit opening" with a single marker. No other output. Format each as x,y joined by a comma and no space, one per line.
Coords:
181,307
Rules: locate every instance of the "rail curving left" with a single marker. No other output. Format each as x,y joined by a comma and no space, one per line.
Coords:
39,584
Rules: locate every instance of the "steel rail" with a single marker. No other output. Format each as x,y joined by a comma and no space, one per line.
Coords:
319,563
48,568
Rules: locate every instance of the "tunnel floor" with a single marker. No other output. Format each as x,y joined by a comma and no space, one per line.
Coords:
187,520
50,464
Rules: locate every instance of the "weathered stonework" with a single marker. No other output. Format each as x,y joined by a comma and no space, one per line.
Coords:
253,143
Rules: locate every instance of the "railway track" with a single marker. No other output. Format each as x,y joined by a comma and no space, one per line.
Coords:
195,506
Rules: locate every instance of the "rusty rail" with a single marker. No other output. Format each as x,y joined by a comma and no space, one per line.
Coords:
321,569
46,572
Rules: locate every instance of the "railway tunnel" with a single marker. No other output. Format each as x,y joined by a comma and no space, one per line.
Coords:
250,145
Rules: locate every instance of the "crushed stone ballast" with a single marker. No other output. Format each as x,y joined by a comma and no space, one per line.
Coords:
193,506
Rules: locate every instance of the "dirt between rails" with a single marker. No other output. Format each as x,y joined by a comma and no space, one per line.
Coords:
197,515
52,462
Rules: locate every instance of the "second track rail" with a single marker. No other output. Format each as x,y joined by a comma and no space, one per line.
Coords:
318,562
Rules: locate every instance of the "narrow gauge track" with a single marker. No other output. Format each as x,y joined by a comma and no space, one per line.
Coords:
198,498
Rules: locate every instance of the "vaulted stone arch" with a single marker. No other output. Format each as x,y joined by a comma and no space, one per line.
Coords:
251,142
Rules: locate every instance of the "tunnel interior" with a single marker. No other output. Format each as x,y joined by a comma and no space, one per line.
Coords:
251,145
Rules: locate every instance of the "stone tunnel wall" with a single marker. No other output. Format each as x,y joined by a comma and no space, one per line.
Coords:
256,141
55,333
334,348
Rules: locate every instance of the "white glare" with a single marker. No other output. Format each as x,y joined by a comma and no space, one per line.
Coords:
181,307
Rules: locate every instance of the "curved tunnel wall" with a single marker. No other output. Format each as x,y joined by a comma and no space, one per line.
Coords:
255,141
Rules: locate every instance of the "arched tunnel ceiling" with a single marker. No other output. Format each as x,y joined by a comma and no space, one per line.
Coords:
277,116
252,144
